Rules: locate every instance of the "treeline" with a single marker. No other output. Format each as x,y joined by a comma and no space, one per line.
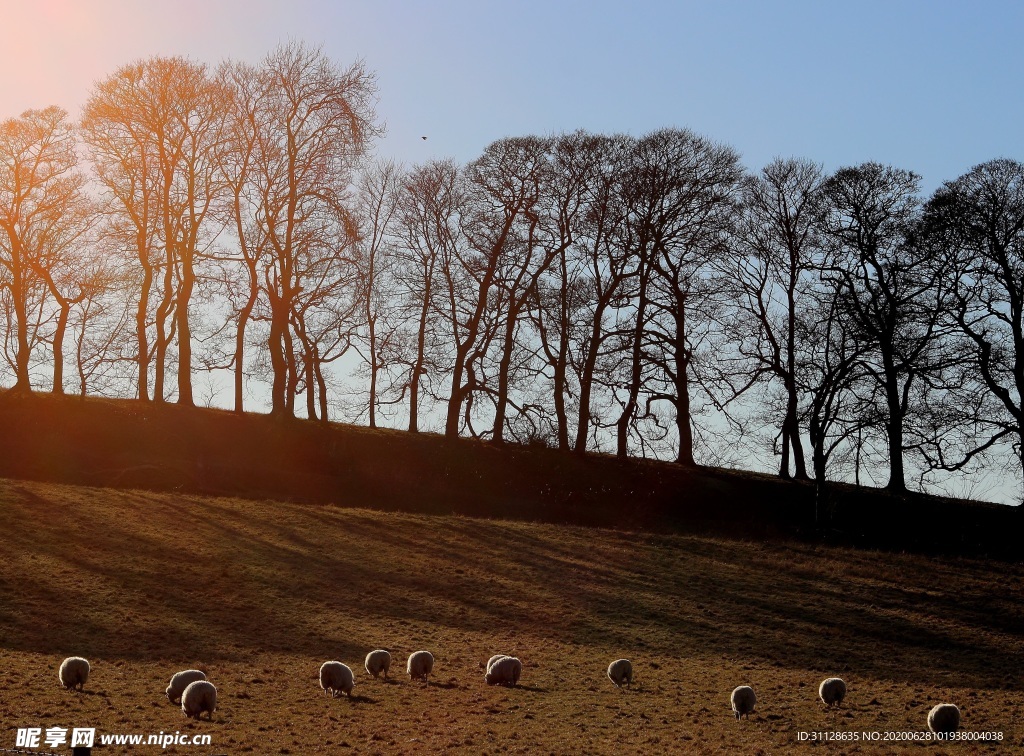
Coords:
643,295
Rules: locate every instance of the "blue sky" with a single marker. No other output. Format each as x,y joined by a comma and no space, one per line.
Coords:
935,87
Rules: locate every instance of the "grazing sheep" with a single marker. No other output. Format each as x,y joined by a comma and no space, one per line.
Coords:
420,665
620,672
944,718
74,671
180,681
336,678
378,661
504,671
199,696
832,691
743,700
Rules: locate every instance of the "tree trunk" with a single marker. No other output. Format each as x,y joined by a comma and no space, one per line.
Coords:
141,316
894,434
293,373
373,371
419,364
322,389
636,368
894,431
243,321
791,421
562,359
58,346
561,414
681,357
185,333
501,403
587,382
311,399
278,364
791,435
163,337
18,291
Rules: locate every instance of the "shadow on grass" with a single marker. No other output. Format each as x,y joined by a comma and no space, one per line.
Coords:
181,577
361,699
443,685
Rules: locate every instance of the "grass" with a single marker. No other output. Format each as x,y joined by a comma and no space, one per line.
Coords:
259,593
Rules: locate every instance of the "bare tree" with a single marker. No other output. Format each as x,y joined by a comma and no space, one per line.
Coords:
542,236
154,129
680,192
241,135
778,254
890,288
828,371
977,223
376,209
603,267
428,277
501,190
313,122
43,215
69,268
557,292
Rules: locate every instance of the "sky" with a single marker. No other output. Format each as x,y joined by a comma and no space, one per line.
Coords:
934,87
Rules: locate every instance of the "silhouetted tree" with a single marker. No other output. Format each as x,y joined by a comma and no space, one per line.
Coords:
313,122
890,290
501,191
778,255
598,268
977,223
530,251
241,136
376,209
430,279
680,192
561,293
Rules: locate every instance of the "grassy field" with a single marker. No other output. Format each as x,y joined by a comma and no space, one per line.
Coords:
259,594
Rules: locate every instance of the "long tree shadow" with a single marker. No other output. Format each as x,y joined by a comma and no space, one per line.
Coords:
304,577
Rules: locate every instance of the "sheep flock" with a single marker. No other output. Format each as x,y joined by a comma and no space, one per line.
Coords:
197,695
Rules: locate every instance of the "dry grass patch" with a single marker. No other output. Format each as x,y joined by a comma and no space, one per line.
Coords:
259,594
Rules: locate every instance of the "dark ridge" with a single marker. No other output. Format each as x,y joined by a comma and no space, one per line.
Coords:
166,447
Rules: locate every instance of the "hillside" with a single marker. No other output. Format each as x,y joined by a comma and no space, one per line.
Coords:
259,593
131,444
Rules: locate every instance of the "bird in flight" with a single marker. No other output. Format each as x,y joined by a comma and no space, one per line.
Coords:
423,138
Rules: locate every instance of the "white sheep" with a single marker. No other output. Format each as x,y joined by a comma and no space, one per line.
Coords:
420,665
743,701
336,678
620,672
199,696
504,671
180,681
376,662
944,718
74,671
832,691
